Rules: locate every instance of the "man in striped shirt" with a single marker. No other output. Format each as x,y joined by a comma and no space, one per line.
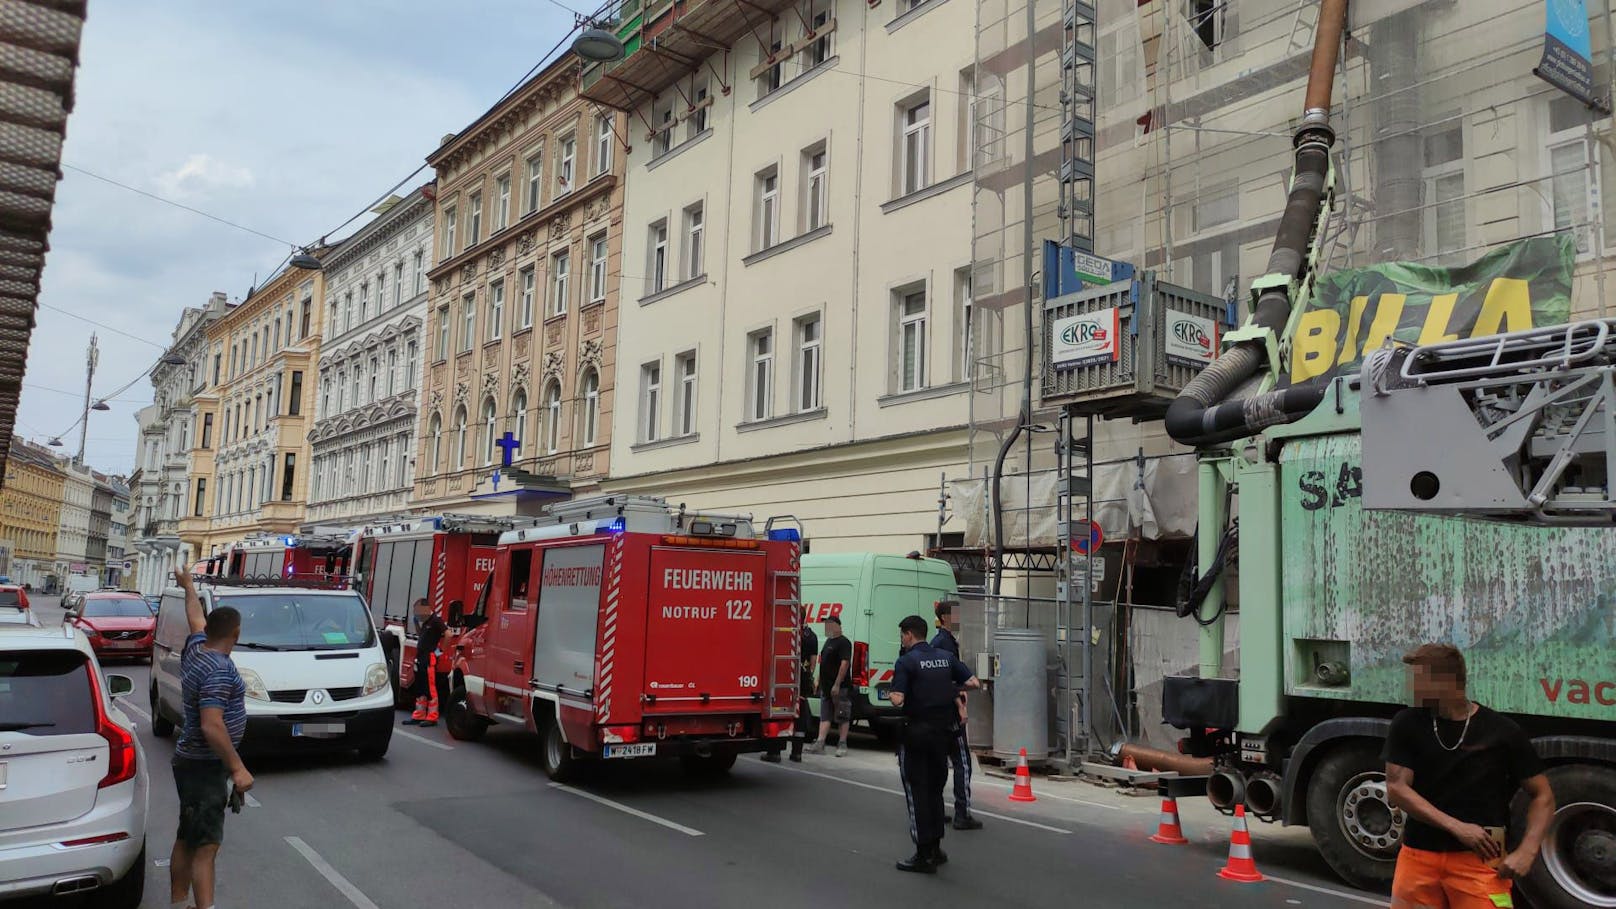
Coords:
206,764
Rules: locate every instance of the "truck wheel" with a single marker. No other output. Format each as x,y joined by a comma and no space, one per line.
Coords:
401,698
559,764
1577,867
464,725
1356,829
160,727
708,764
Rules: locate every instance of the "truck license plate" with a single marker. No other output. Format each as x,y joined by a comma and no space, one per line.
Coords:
642,749
318,730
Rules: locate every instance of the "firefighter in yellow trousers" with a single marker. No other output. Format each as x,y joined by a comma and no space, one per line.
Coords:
429,630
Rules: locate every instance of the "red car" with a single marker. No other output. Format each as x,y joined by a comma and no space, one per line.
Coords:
117,624
13,595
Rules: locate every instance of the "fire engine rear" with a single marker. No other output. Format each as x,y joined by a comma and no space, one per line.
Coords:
630,629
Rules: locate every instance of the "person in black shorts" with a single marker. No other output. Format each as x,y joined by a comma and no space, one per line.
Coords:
835,697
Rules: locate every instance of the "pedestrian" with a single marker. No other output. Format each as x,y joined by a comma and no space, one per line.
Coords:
835,698
207,769
808,648
429,630
960,755
925,686
1453,766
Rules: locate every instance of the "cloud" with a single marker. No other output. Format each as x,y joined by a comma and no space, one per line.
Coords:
201,173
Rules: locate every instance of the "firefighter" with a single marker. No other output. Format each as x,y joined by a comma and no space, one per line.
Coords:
429,630
925,687
960,755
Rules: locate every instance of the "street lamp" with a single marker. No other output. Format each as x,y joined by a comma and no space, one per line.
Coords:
55,443
305,261
174,359
100,405
597,45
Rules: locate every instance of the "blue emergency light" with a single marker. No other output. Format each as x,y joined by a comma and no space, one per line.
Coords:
786,533
618,525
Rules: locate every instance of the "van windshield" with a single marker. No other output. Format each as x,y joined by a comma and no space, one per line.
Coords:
300,622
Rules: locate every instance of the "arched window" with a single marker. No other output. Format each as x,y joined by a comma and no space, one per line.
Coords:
488,431
591,386
434,439
552,417
460,438
519,408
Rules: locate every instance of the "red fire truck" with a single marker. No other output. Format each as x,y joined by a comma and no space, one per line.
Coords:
444,558
313,558
627,628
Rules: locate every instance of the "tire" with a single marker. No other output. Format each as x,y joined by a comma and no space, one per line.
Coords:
401,698
708,765
1356,831
1577,867
556,755
126,892
160,727
376,750
463,724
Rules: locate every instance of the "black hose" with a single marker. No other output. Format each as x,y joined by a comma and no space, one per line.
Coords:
1192,595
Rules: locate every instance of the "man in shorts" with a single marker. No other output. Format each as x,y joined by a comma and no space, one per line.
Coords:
206,764
835,698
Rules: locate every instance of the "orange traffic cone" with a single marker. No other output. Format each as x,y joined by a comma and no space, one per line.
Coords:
1168,832
1240,867
1023,788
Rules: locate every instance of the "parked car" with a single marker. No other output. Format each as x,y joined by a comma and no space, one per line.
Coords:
13,595
73,784
117,624
153,600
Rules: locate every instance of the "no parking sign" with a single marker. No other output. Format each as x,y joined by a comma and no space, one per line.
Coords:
1089,543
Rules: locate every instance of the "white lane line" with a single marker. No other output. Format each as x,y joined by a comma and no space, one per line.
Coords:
343,885
687,831
1344,894
252,802
974,809
423,740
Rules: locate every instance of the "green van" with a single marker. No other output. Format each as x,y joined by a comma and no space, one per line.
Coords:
872,593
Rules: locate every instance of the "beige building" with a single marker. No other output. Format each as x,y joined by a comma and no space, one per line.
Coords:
31,513
522,313
250,456
796,262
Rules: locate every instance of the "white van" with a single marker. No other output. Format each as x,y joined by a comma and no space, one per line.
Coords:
311,659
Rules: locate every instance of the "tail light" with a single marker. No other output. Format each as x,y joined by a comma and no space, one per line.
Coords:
861,664
120,741
620,735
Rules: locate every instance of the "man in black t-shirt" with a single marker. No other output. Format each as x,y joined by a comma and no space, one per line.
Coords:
835,697
1453,766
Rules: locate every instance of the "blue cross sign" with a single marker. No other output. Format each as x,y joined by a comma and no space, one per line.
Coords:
507,446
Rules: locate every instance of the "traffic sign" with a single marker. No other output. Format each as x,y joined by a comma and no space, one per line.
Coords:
1090,543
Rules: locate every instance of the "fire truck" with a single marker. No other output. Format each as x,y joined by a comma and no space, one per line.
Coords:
313,557
445,558
628,628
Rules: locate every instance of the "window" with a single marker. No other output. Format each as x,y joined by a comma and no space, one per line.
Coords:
968,347
916,147
474,221
597,268
684,409
604,139
398,283
1445,233
1207,21
358,381
760,382
294,405
559,267
662,122
375,379
1575,186
694,267
468,321
350,316
288,474
381,473
769,74
448,232
535,180
460,439
815,188
657,268
696,123
207,430
443,332
489,412
911,358
502,201
650,401
303,329
1216,205
277,335
392,371
552,417
810,344
568,154
969,138
591,387
817,13
364,300
768,209
519,409
216,358
364,470
496,309
524,310
201,493
434,439
419,273
410,351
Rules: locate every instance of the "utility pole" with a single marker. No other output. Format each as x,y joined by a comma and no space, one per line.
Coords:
91,357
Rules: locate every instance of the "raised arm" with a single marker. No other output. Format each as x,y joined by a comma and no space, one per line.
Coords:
193,604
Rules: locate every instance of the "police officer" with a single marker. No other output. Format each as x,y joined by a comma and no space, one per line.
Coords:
925,686
959,756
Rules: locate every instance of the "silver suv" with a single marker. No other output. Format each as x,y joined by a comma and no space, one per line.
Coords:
73,777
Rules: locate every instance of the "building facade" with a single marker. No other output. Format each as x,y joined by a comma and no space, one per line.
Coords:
31,513
73,531
523,310
252,477
120,561
797,250
363,442
161,485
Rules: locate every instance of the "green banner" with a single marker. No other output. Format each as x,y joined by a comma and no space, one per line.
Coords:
1525,284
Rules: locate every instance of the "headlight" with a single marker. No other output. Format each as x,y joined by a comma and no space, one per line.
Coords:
376,678
255,686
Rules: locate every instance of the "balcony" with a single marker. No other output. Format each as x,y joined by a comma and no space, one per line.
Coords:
665,40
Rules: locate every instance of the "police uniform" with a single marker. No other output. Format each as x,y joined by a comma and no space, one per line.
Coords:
959,756
929,680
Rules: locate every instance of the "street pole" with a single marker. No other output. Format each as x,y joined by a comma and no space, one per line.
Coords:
91,356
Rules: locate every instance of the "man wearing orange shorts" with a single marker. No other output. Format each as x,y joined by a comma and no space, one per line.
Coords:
1453,766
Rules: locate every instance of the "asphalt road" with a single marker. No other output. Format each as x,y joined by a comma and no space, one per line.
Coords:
444,823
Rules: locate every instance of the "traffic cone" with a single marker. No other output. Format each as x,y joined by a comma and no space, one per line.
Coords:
1168,832
1240,867
1023,788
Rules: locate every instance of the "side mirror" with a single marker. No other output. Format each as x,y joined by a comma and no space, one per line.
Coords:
119,685
457,614
474,620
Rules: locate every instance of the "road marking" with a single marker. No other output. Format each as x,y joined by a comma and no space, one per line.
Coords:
1344,894
974,810
343,885
687,831
423,740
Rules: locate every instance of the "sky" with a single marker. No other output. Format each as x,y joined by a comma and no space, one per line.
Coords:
284,116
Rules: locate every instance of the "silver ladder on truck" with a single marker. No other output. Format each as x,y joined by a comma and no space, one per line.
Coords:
785,623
